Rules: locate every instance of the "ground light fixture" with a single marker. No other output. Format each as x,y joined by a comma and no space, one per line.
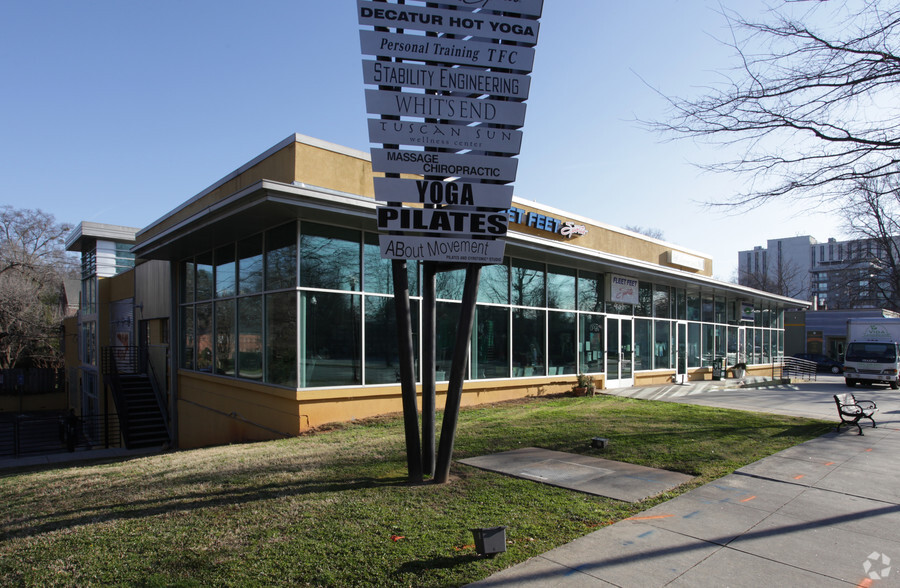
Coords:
490,541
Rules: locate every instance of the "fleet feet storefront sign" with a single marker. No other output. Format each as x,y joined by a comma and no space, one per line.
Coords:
448,86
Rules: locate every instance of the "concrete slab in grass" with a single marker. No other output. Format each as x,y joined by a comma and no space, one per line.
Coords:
592,475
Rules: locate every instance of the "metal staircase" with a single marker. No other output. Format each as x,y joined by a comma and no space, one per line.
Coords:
142,415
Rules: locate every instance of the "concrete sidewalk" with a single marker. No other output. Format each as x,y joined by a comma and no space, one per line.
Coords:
824,513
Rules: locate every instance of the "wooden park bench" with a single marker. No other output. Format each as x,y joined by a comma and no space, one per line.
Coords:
851,410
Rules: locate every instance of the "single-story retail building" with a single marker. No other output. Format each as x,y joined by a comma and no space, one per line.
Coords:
268,310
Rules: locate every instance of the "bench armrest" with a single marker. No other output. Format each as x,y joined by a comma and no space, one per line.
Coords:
851,409
867,404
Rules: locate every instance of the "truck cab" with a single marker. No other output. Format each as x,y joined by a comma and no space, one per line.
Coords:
872,362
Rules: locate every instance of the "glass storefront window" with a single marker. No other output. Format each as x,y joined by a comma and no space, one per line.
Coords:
187,285
693,306
204,279
662,350
643,344
694,345
250,265
281,257
188,342
225,271
720,309
680,310
590,291
528,342
226,334
561,353
493,286
378,273
709,345
527,283
450,285
281,339
645,300
661,302
490,343
592,341
204,337
445,337
329,257
382,351
561,288
331,339
250,338
707,309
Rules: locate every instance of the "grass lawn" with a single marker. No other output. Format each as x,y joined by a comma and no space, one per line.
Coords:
334,509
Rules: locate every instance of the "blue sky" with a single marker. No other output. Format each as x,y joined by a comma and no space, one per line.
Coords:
117,111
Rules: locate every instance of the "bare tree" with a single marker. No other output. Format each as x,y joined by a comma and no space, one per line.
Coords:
812,101
871,273
786,278
651,232
33,264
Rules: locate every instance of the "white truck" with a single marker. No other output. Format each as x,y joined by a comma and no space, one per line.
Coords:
872,354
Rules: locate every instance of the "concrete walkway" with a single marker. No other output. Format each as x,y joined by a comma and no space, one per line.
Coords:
824,513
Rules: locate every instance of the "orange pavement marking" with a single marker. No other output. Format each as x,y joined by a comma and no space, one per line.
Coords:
830,463
748,499
648,518
865,583
798,477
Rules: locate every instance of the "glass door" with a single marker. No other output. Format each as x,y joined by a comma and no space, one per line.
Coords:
619,353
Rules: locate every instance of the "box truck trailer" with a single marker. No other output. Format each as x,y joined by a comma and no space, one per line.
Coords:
872,355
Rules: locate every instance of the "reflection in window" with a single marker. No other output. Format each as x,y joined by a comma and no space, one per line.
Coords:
187,338
693,306
187,292
591,347
662,351
528,342
645,300
204,337
493,286
329,257
250,338
281,257
527,283
560,287
281,339
707,309
330,339
490,343
661,301
445,337
450,285
225,337
382,354
561,352
693,345
590,291
378,274
250,265
225,268
643,344
204,276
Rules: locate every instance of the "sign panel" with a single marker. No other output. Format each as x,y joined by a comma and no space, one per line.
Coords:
459,137
445,107
445,165
454,194
442,220
463,250
446,79
529,7
419,48
435,20
623,289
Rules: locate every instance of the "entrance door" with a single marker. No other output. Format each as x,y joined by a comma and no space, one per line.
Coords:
681,351
619,353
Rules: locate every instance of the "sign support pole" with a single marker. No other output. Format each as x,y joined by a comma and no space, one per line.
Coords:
407,369
429,361
457,374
